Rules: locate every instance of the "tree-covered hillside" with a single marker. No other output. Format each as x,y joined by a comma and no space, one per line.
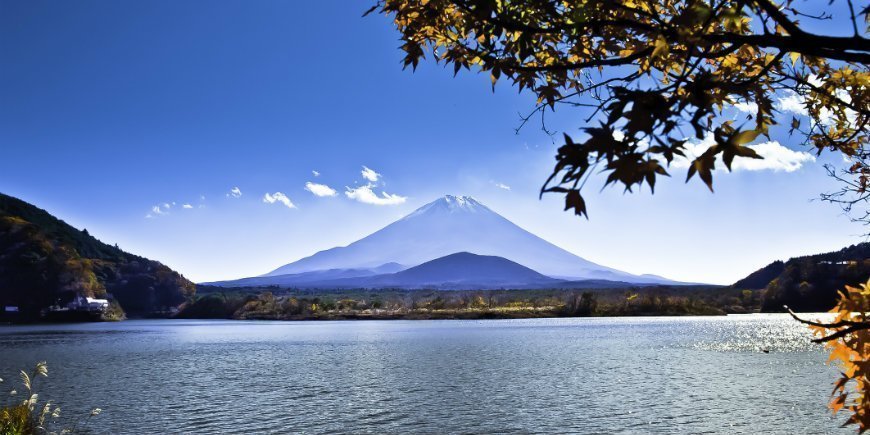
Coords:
810,283
43,259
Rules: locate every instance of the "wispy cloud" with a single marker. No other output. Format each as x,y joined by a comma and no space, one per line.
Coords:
159,210
278,197
315,173
320,190
235,192
370,174
775,157
366,195
187,206
501,186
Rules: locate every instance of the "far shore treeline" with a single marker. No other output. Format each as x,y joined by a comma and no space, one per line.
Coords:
807,284
323,304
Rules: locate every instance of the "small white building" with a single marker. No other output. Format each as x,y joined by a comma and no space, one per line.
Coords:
82,303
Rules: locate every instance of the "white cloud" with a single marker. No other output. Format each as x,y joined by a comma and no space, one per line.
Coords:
776,157
747,107
163,209
791,103
618,135
502,186
320,189
315,173
366,195
235,192
278,197
794,103
370,174
158,210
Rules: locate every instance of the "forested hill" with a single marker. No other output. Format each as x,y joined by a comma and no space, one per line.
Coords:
43,259
810,283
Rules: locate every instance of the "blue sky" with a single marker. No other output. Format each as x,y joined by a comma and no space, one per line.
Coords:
109,109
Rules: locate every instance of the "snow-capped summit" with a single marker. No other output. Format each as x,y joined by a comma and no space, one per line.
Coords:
450,204
461,201
452,224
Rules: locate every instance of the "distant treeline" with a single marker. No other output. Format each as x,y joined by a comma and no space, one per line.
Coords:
288,304
807,284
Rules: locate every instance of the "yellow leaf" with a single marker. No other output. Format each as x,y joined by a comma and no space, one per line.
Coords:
660,48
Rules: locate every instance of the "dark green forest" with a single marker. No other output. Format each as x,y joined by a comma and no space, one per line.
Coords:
44,260
809,283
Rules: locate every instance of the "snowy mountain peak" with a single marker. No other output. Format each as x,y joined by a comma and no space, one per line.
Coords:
460,200
465,203
450,204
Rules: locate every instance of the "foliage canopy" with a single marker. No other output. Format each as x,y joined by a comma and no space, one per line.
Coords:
848,338
655,74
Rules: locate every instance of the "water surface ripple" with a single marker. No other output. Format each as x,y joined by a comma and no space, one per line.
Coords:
613,375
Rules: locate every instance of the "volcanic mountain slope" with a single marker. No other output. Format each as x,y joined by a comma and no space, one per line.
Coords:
454,224
461,270
315,278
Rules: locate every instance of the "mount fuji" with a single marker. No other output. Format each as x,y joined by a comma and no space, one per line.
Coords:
448,225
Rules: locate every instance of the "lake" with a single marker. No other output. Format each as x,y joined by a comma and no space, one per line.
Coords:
589,375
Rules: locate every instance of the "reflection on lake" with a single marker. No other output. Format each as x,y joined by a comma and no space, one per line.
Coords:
605,375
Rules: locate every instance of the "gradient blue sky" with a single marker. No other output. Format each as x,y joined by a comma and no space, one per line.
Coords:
110,108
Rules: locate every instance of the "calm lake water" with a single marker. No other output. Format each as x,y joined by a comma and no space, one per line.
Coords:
614,375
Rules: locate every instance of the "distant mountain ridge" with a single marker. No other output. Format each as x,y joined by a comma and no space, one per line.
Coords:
315,278
459,271
462,270
42,259
450,225
467,267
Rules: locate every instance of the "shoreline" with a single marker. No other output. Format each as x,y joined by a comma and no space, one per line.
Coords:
386,317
